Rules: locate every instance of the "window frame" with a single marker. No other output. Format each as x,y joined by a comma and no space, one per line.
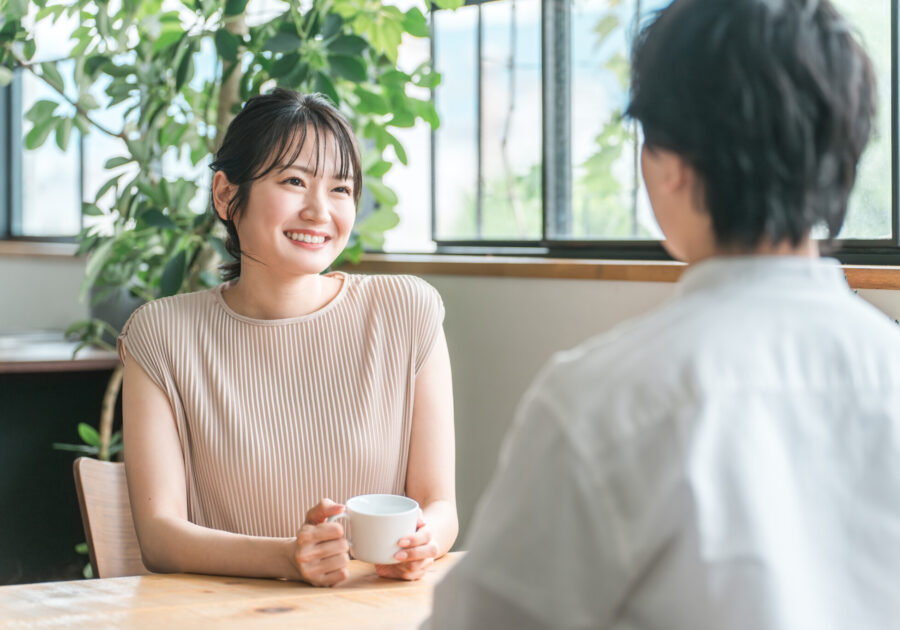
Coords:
11,202
557,182
556,188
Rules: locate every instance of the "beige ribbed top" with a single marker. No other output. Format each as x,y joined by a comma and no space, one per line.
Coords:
274,415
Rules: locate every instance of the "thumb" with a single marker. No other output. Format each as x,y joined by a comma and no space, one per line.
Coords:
321,511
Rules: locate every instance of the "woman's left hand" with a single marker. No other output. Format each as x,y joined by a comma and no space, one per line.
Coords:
416,555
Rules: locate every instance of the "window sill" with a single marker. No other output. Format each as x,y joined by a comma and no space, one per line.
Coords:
37,249
858,276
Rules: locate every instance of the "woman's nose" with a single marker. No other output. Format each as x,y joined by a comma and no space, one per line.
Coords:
315,207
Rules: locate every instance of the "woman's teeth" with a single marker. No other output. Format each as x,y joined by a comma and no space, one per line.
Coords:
305,238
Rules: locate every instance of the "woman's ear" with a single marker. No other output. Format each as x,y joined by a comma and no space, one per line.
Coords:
223,192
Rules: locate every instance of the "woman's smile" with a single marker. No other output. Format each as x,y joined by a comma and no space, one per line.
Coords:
309,239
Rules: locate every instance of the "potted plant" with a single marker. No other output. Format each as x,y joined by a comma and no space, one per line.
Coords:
178,76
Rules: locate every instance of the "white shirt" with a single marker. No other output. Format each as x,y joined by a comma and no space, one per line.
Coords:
729,461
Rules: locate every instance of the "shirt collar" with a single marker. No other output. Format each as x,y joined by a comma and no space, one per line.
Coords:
771,271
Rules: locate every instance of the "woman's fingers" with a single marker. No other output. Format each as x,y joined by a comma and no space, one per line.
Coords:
334,577
413,570
320,512
327,570
318,551
421,552
322,554
319,533
421,537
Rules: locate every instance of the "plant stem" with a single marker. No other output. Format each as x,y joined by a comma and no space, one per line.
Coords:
230,92
107,411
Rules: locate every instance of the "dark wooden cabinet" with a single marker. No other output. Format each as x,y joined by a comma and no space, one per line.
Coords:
41,402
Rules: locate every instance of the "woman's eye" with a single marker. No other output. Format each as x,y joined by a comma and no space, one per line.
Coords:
343,190
294,181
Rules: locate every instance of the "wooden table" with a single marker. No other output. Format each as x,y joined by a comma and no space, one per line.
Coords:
365,601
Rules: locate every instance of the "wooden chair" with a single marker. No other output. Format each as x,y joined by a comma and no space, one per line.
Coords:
106,514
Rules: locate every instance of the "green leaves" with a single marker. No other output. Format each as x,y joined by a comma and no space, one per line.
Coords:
52,75
6,76
173,275
372,228
235,7
325,86
17,9
371,102
227,45
155,218
347,45
350,68
116,162
88,434
39,132
170,31
282,42
157,243
63,133
415,24
383,195
41,110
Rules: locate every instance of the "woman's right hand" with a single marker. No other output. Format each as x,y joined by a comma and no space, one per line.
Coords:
322,552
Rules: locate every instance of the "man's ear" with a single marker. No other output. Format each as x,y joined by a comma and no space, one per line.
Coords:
223,192
677,175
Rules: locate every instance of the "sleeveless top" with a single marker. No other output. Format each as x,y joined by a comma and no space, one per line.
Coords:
274,415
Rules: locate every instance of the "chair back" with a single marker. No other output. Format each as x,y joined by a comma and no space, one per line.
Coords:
106,514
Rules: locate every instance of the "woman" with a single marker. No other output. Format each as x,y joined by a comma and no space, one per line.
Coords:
285,391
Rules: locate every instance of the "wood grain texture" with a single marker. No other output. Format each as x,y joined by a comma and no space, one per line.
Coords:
519,267
858,276
363,602
106,514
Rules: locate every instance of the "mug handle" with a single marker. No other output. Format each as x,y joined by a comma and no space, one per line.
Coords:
332,519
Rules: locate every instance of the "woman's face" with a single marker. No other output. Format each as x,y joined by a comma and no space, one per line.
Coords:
297,220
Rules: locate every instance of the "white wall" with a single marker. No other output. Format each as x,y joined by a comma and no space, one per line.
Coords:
39,293
499,331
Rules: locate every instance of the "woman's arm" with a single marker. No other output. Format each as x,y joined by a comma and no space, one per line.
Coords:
170,543
430,474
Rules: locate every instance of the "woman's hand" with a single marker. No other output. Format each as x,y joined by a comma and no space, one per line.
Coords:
417,553
321,554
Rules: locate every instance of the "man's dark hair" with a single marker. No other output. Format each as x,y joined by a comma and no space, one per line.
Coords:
770,101
269,133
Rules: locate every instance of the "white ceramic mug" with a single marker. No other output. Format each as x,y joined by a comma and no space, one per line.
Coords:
377,523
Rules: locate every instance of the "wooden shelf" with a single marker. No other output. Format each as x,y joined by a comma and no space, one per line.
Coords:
49,352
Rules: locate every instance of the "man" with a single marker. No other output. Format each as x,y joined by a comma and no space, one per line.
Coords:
731,460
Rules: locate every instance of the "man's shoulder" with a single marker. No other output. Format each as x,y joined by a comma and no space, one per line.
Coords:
628,376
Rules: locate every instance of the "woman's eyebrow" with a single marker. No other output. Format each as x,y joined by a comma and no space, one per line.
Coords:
302,169
312,172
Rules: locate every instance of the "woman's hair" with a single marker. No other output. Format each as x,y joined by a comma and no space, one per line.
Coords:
269,133
770,101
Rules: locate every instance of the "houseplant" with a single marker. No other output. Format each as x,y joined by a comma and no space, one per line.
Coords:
178,72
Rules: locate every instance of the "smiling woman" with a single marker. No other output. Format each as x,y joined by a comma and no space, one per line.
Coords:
253,410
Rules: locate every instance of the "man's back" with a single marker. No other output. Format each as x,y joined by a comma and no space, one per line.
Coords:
730,461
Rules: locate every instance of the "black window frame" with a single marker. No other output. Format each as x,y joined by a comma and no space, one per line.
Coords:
11,179
556,189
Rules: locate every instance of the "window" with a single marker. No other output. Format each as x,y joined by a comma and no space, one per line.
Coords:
533,154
